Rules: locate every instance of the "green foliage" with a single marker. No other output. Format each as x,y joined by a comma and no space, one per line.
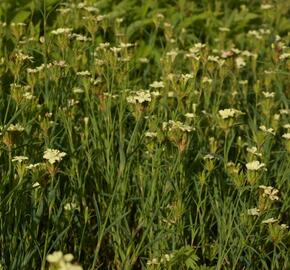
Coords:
185,256
144,134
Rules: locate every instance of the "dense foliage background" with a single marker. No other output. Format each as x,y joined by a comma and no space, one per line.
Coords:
145,134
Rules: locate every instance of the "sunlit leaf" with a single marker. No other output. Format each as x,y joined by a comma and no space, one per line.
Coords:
21,16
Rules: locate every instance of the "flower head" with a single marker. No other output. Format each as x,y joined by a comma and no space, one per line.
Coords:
228,113
140,96
266,6
270,221
150,134
189,115
255,165
16,127
53,155
267,130
156,84
60,31
176,125
286,136
19,159
55,257
62,261
240,62
284,226
268,94
253,150
270,192
253,212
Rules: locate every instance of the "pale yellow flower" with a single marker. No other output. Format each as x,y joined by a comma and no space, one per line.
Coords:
154,261
270,192
36,185
284,56
255,165
175,125
62,262
253,211
255,34
28,96
224,29
286,136
60,31
213,58
249,54
266,6
186,77
270,221
268,94
209,156
172,54
229,113
284,111
197,47
253,150
143,60
16,127
243,82
206,80
192,56
19,159
70,206
33,166
140,96
168,257
53,155
150,134
267,130
171,94
84,73
156,84
55,257
240,62
189,115
115,49
78,90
